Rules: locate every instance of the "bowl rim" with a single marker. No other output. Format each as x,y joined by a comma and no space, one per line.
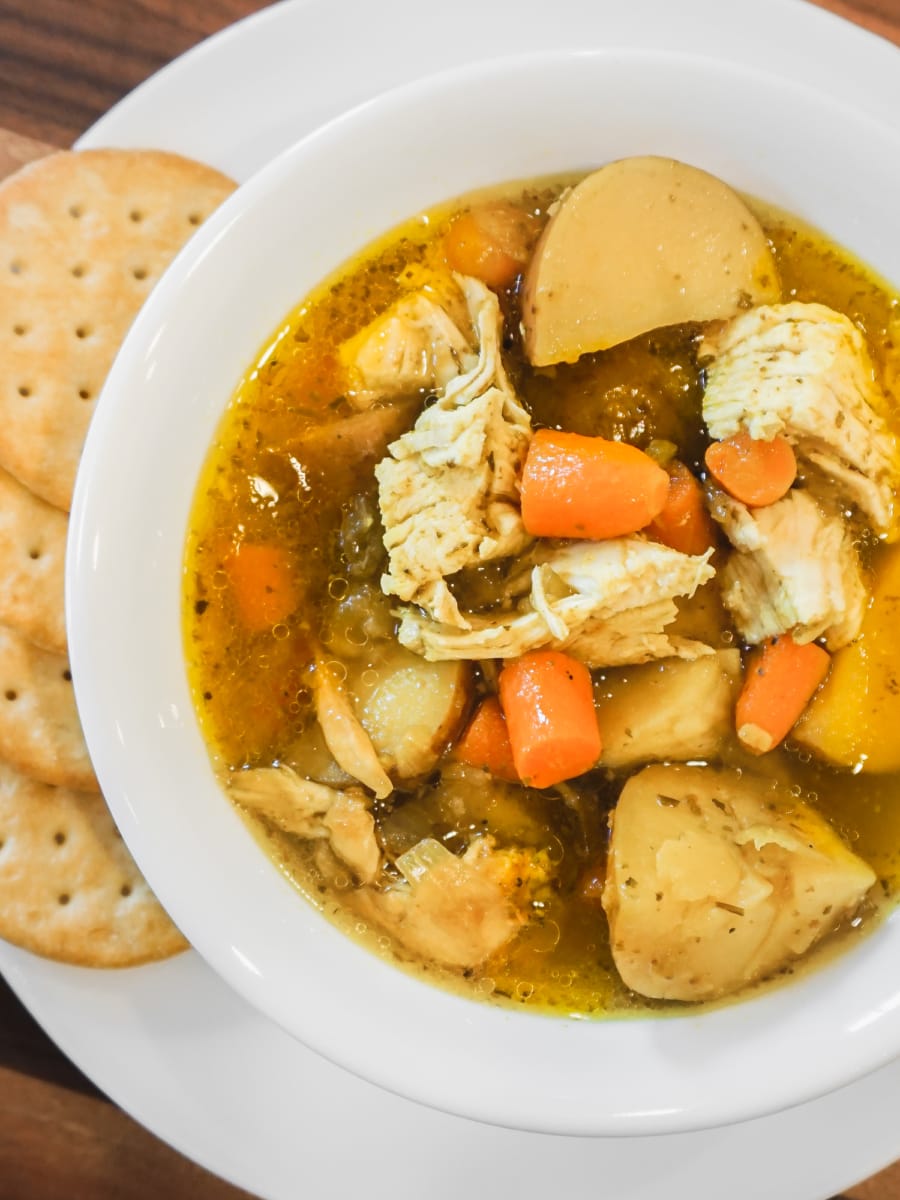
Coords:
249,968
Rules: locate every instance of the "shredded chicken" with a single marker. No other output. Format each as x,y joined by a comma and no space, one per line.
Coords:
607,603
344,735
717,879
795,570
457,911
418,345
448,489
804,371
311,810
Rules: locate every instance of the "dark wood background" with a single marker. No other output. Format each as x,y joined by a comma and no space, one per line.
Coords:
63,63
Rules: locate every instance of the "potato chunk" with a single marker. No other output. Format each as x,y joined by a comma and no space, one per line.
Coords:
854,718
641,244
410,708
717,879
674,709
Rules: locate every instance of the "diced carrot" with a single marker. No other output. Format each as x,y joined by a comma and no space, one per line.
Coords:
485,742
753,471
684,523
491,242
263,584
548,703
587,487
780,680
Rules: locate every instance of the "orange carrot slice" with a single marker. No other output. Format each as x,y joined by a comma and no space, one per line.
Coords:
485,742
587,487
263,584
780,680
684,523
491,242
753,471
548,703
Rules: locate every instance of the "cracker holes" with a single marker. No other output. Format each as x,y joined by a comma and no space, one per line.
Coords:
34,553
139,273
11,694
125,890
78,271
63,899
136,216
59,837
83,332
20,329
16,267
24,390
76,211
194,218
85,393
67,675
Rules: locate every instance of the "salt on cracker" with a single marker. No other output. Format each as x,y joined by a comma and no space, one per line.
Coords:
83,237
32,565
69,889
40,733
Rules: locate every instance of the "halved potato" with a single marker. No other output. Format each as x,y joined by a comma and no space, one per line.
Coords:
638,245
410,708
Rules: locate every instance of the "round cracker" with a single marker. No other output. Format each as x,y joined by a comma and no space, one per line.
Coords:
83,237
32,565
69,889
40,733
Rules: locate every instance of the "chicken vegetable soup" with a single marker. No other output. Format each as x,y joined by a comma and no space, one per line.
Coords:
541,594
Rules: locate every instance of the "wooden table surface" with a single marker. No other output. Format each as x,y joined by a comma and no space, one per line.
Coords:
62,64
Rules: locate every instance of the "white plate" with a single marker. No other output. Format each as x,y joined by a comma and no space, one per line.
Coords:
186,1057
170,1043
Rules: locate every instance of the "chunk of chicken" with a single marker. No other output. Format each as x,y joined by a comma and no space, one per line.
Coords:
717,879
795,570
453,910
457,911
417,345
312,811
448,489
673,710
343,731
607,603
804,371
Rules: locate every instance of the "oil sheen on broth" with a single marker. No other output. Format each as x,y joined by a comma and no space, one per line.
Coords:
292,467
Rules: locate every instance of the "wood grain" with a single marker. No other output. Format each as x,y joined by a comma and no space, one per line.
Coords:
885,1186
101,1157
63,63
16,151
61,1139
878,16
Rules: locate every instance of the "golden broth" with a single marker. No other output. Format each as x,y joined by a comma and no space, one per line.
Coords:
273,474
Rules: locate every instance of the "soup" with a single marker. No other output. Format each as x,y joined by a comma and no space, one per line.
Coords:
545,641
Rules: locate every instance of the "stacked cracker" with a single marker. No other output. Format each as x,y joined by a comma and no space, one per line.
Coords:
83,237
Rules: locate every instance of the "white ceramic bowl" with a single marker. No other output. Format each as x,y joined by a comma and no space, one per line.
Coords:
253,261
